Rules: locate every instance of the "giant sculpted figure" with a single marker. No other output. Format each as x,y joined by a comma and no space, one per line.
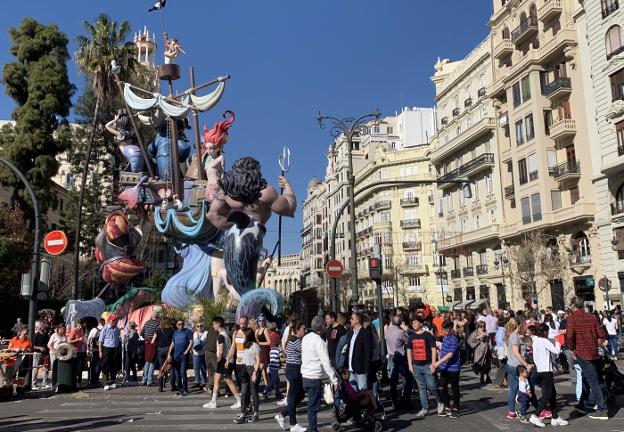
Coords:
243,205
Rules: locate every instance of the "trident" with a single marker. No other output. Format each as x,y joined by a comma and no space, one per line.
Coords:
284,163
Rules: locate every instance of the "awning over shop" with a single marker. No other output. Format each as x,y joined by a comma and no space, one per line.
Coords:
444,308
462,305
478,303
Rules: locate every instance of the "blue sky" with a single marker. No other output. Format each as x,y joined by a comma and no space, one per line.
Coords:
289,59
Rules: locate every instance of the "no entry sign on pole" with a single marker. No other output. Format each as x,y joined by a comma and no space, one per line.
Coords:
55,242
334,269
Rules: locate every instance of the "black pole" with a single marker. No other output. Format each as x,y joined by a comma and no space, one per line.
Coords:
279,231
34,272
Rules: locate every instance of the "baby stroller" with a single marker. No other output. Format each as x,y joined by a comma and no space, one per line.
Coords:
612,378
347,411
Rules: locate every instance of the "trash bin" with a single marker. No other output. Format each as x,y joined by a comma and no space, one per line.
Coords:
65,378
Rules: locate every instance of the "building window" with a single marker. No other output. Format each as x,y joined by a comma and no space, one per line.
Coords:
526,88
376,129
519,132
522,171
470,293
548,121
525,205
555,198
619,128
614,41
505,33
488,184
532,165
574,195
414,282
477,222
536,207
530,131
493,215
617,85
475,191
608,7
517,96
390,130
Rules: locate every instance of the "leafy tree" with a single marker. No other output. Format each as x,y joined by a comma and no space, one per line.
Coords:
38,82
15,249
104,44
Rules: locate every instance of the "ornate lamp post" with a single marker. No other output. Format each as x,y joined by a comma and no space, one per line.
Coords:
503,262
349,126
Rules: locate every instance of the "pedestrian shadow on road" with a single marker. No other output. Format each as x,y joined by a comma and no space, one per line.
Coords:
24,423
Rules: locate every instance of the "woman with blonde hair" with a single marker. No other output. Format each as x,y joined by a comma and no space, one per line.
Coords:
514,359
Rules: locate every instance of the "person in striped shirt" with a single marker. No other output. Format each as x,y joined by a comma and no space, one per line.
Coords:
293,373
449,366
275,354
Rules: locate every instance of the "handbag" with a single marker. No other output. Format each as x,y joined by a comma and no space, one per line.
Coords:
328,394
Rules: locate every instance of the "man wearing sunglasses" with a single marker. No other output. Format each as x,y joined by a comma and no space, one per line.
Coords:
181,345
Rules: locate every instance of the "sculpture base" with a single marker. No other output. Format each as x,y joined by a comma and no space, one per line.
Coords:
169,72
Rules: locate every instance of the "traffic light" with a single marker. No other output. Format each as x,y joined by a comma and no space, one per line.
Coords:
374,269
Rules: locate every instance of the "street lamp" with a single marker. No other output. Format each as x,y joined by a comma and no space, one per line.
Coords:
348,127
503,262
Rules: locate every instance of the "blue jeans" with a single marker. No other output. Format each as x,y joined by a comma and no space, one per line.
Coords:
199,367
426,383
523,399
591,382
295,392
94,369
613,344
313,389
274,383
513,384
359,382
179,364
397,365
148,373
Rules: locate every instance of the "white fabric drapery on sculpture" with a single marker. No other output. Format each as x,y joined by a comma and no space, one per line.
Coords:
161,105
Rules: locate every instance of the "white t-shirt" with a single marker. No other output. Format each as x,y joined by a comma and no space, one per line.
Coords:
610,325
542,348
553,332
56,340
249,354
523,386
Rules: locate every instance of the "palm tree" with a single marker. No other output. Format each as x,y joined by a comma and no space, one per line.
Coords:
105,41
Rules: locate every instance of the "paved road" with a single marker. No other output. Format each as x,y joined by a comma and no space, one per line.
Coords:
145,409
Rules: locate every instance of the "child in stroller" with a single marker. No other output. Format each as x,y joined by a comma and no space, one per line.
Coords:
361,406
613,379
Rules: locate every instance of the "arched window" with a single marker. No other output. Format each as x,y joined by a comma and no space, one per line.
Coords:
533,10
580,247
523,17
613,39
619,197
506,34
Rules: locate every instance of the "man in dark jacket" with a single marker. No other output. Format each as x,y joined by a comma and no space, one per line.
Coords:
359,352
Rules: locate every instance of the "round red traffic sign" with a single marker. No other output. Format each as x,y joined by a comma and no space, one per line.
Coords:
334,269
55,242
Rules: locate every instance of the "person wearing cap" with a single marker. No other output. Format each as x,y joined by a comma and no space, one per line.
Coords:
582,333
108,344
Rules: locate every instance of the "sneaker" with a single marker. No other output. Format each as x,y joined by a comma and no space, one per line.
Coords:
422,413
283,402
446,412
184,393
523,419
559,422
581,407
106,387
253,418
440,408
536,421
236,405
113,386
240,418
297,428
454,414
279,418
210,405
599,415
545,414
511,415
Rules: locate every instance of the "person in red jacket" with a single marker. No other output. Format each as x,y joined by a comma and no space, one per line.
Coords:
582,339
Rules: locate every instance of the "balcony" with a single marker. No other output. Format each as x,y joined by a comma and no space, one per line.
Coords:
567,171
549,10
383,205
455,274
477,130
482,92
615,52
489,232
554,48
617,208
412,246
509,192
562,129
610,8
481,162
560,87
468,271
410,267
409,202
383,225
482,269
503,49
526,30
410,223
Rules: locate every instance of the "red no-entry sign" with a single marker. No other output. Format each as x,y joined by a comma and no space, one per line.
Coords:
334,269
55,242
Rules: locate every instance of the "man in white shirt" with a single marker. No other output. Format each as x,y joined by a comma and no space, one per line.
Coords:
315,361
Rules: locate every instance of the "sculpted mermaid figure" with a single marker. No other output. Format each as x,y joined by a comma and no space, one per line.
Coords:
243,205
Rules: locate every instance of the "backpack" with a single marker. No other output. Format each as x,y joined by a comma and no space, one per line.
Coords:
94,341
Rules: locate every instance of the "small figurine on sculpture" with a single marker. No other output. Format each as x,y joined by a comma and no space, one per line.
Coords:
160,149
212,156
120,128
242,207
172,49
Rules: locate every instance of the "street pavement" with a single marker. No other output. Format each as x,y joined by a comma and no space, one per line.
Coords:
145,409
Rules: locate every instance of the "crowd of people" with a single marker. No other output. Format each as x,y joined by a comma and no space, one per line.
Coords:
422,349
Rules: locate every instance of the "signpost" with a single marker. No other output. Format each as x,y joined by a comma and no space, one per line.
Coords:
55,242
334,269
